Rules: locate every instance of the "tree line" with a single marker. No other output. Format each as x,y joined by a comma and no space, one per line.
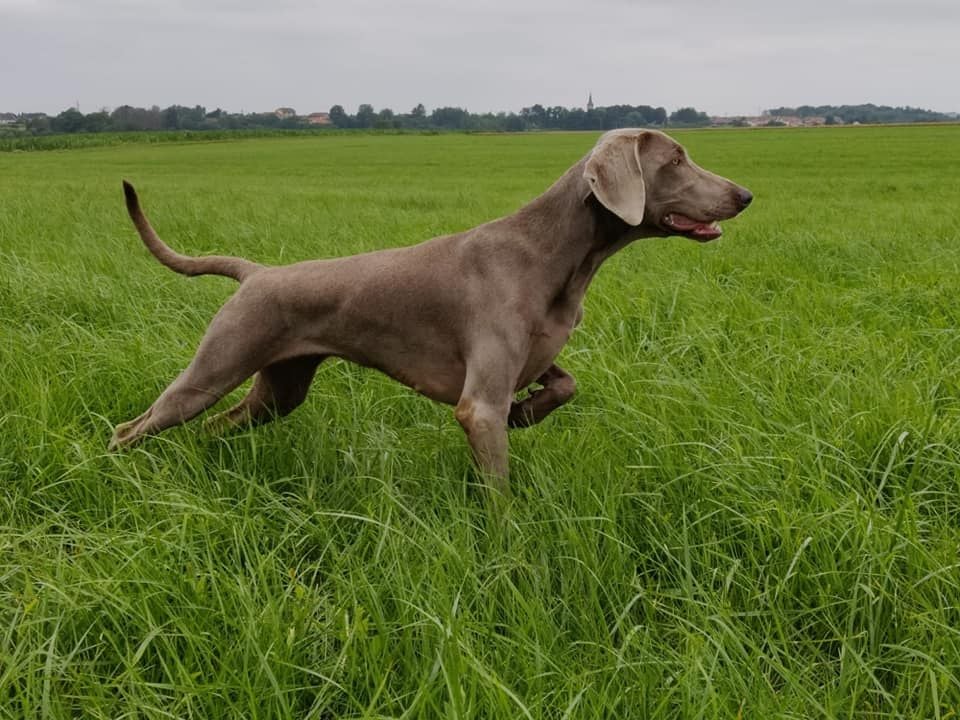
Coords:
863,114
128,119
536,117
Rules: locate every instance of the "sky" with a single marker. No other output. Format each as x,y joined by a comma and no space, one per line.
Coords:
735,57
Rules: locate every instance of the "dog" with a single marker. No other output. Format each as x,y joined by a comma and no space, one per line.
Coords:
469,319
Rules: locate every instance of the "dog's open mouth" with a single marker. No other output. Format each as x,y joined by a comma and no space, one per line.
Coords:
688,227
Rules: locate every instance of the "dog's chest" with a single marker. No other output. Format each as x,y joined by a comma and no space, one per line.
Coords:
547,340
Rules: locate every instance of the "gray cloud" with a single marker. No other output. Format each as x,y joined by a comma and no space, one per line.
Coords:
734,57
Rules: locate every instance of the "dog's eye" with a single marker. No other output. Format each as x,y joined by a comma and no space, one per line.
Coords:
676,161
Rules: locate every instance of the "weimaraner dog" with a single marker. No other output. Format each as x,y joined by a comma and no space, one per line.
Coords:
469,319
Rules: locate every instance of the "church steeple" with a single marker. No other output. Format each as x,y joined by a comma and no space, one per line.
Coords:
590,102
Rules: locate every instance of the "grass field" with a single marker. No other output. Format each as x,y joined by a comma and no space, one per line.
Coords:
750,510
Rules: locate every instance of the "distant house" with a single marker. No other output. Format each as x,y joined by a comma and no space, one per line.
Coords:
769,120
797,121
319,118
739,120
788,120
285,112
7,119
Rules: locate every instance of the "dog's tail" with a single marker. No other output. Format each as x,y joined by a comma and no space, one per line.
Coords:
233,267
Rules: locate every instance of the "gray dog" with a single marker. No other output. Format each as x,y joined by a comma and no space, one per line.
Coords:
469,319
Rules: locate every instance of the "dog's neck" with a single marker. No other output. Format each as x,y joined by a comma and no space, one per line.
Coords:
573,234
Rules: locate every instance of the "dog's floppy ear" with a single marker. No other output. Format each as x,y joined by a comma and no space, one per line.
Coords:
615,177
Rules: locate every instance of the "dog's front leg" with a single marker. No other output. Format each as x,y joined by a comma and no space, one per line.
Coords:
482,412
558,387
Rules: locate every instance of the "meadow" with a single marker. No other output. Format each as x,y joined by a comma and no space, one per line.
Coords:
751,509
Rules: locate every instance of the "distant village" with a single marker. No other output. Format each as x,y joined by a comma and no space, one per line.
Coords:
773,121
314,118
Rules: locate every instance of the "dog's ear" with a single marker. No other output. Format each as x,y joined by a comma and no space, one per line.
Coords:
615,177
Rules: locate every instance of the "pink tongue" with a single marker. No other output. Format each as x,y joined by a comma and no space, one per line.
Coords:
682,222
705,231
696,229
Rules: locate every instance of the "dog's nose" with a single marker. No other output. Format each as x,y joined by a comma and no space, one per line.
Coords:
744,197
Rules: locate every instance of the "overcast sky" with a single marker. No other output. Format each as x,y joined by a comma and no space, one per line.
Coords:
731,57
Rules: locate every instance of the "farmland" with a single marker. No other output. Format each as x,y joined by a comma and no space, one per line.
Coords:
750,509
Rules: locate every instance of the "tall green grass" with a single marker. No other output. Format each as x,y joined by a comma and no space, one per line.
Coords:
750,510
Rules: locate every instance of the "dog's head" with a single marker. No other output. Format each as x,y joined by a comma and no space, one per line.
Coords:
646,178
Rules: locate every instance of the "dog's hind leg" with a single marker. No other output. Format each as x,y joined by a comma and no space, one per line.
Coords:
228,354
277,391
185,398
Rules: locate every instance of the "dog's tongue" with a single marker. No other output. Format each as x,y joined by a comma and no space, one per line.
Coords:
706,231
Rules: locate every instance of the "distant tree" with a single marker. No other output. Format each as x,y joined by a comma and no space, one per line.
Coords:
151,118
577,119
366,116
170,118
339,117
513,123
195,116
689,116
69,121
267,120
615,116
534,117
230,122
556,117
38,124
597,119
126,118
96,122
451,118
416,118
385,119
487,122
291,122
